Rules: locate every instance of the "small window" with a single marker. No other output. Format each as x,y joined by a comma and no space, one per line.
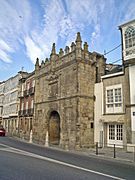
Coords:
92,125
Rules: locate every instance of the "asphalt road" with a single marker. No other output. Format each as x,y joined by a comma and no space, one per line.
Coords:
22,161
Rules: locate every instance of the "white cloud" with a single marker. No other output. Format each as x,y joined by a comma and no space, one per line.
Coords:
66,26
5,46
33,51
37,28
53,13
14,22
4,50
4,56
83,14
95,34
24,26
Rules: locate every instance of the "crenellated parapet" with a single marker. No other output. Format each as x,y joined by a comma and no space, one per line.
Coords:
73,53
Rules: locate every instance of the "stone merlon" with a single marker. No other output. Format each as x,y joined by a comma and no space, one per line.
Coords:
78,38
37,64
53,49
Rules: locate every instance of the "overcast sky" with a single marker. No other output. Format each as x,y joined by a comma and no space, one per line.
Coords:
29,27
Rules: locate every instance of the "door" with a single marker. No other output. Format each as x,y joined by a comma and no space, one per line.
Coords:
54,128
115,135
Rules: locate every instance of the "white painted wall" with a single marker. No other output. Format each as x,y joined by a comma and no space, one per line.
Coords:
98,112
132,119
132,83
132,94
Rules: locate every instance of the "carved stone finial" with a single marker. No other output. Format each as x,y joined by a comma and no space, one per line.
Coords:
61,52
78,41
66,50
78,46
37,62
85,47
46,60
53,49
42,63
72,46
78,38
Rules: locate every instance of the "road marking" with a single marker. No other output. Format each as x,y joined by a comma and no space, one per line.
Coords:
3,145
19,151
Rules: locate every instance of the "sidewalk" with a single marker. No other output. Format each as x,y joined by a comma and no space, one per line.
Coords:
105,152
119,154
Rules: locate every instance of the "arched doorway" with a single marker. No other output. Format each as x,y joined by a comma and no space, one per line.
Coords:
54,128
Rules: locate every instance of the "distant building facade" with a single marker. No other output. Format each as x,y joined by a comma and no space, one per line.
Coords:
11,104
64,96
2,85
26,106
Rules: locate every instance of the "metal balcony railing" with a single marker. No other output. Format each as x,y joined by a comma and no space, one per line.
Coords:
29,91
26,112
26,92
21,94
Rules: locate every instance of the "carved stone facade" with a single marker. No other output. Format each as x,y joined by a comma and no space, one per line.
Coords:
64,96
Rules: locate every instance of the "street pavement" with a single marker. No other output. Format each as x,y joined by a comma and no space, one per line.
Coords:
105,152
16,166
16,155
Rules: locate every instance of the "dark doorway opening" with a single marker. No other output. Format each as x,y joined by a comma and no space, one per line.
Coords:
54,128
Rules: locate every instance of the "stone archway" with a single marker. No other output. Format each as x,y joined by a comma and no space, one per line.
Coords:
54,128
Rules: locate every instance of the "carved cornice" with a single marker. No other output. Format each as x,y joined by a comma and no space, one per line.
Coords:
63,98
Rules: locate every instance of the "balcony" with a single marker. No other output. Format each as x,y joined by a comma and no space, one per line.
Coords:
30,111
21,94
20,113
26,92
26,112
31,90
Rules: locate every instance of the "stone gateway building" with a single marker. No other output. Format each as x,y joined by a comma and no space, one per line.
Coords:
64,96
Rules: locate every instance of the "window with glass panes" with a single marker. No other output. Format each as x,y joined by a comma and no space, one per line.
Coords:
110,98
116,132
111,132
117,97
119,134
114,99
130,37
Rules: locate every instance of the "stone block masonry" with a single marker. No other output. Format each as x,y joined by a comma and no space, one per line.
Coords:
64,96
